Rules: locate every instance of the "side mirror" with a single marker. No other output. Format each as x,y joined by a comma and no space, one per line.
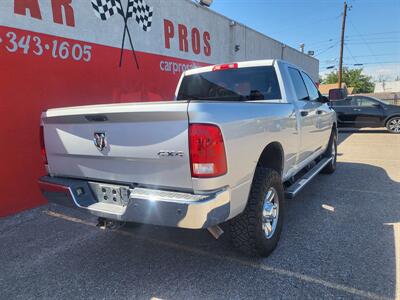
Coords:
337,94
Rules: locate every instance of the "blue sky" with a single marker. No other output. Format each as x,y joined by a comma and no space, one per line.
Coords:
372,31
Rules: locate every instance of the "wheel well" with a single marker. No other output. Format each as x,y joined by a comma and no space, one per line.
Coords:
388,118
272,157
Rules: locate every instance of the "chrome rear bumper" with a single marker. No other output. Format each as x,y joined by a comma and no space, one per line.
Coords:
141,205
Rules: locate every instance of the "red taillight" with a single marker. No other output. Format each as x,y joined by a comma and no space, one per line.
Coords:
207,151
225,67
42,145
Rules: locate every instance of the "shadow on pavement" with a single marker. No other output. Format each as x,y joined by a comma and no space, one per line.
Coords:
341,239
337,242
361,130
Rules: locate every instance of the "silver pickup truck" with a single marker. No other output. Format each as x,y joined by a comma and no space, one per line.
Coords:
238,139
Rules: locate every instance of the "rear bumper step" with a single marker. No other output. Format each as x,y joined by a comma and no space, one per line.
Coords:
296,187
141,205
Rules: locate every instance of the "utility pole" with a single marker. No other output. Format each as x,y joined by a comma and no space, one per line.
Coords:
340,72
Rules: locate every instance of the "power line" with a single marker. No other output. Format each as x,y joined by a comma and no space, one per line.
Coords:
325,66
326,49
380,62
330,61
376,33
382,54
362,36
351,54
323,42
373,38
373,43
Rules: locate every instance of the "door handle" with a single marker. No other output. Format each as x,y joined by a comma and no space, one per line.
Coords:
304,113
356,109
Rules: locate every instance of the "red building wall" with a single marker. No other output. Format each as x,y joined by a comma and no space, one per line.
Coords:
37,72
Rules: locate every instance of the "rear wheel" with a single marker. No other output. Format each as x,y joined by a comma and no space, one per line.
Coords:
257,230
393,125
331,151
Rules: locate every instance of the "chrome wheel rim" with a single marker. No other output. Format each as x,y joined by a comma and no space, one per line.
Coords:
270,214
394,125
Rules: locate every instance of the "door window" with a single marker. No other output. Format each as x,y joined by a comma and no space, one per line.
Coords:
298,83
363,102
311,88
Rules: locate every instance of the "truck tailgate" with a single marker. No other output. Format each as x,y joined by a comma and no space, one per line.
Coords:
134,133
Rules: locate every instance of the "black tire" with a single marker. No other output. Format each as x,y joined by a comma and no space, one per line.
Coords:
392,125
247,231
331,151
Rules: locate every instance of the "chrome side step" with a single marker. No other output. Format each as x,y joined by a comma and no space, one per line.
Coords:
296,187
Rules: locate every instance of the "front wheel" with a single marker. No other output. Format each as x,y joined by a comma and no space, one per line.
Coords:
393,125
257,230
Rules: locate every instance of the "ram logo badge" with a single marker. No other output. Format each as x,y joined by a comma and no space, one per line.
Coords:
100,140
164,153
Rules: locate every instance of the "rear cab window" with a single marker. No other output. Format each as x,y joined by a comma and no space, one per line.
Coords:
242,84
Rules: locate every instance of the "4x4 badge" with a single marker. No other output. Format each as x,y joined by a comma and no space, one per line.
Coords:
100,140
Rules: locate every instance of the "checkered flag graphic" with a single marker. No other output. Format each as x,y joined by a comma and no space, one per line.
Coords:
142,13
104,9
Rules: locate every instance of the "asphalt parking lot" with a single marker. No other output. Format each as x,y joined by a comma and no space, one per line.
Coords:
341,239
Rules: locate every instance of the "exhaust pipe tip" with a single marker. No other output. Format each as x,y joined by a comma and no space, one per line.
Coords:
215,231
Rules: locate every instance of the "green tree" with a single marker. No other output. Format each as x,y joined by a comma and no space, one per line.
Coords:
352,78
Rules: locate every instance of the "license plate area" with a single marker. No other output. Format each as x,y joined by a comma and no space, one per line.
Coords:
109,193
